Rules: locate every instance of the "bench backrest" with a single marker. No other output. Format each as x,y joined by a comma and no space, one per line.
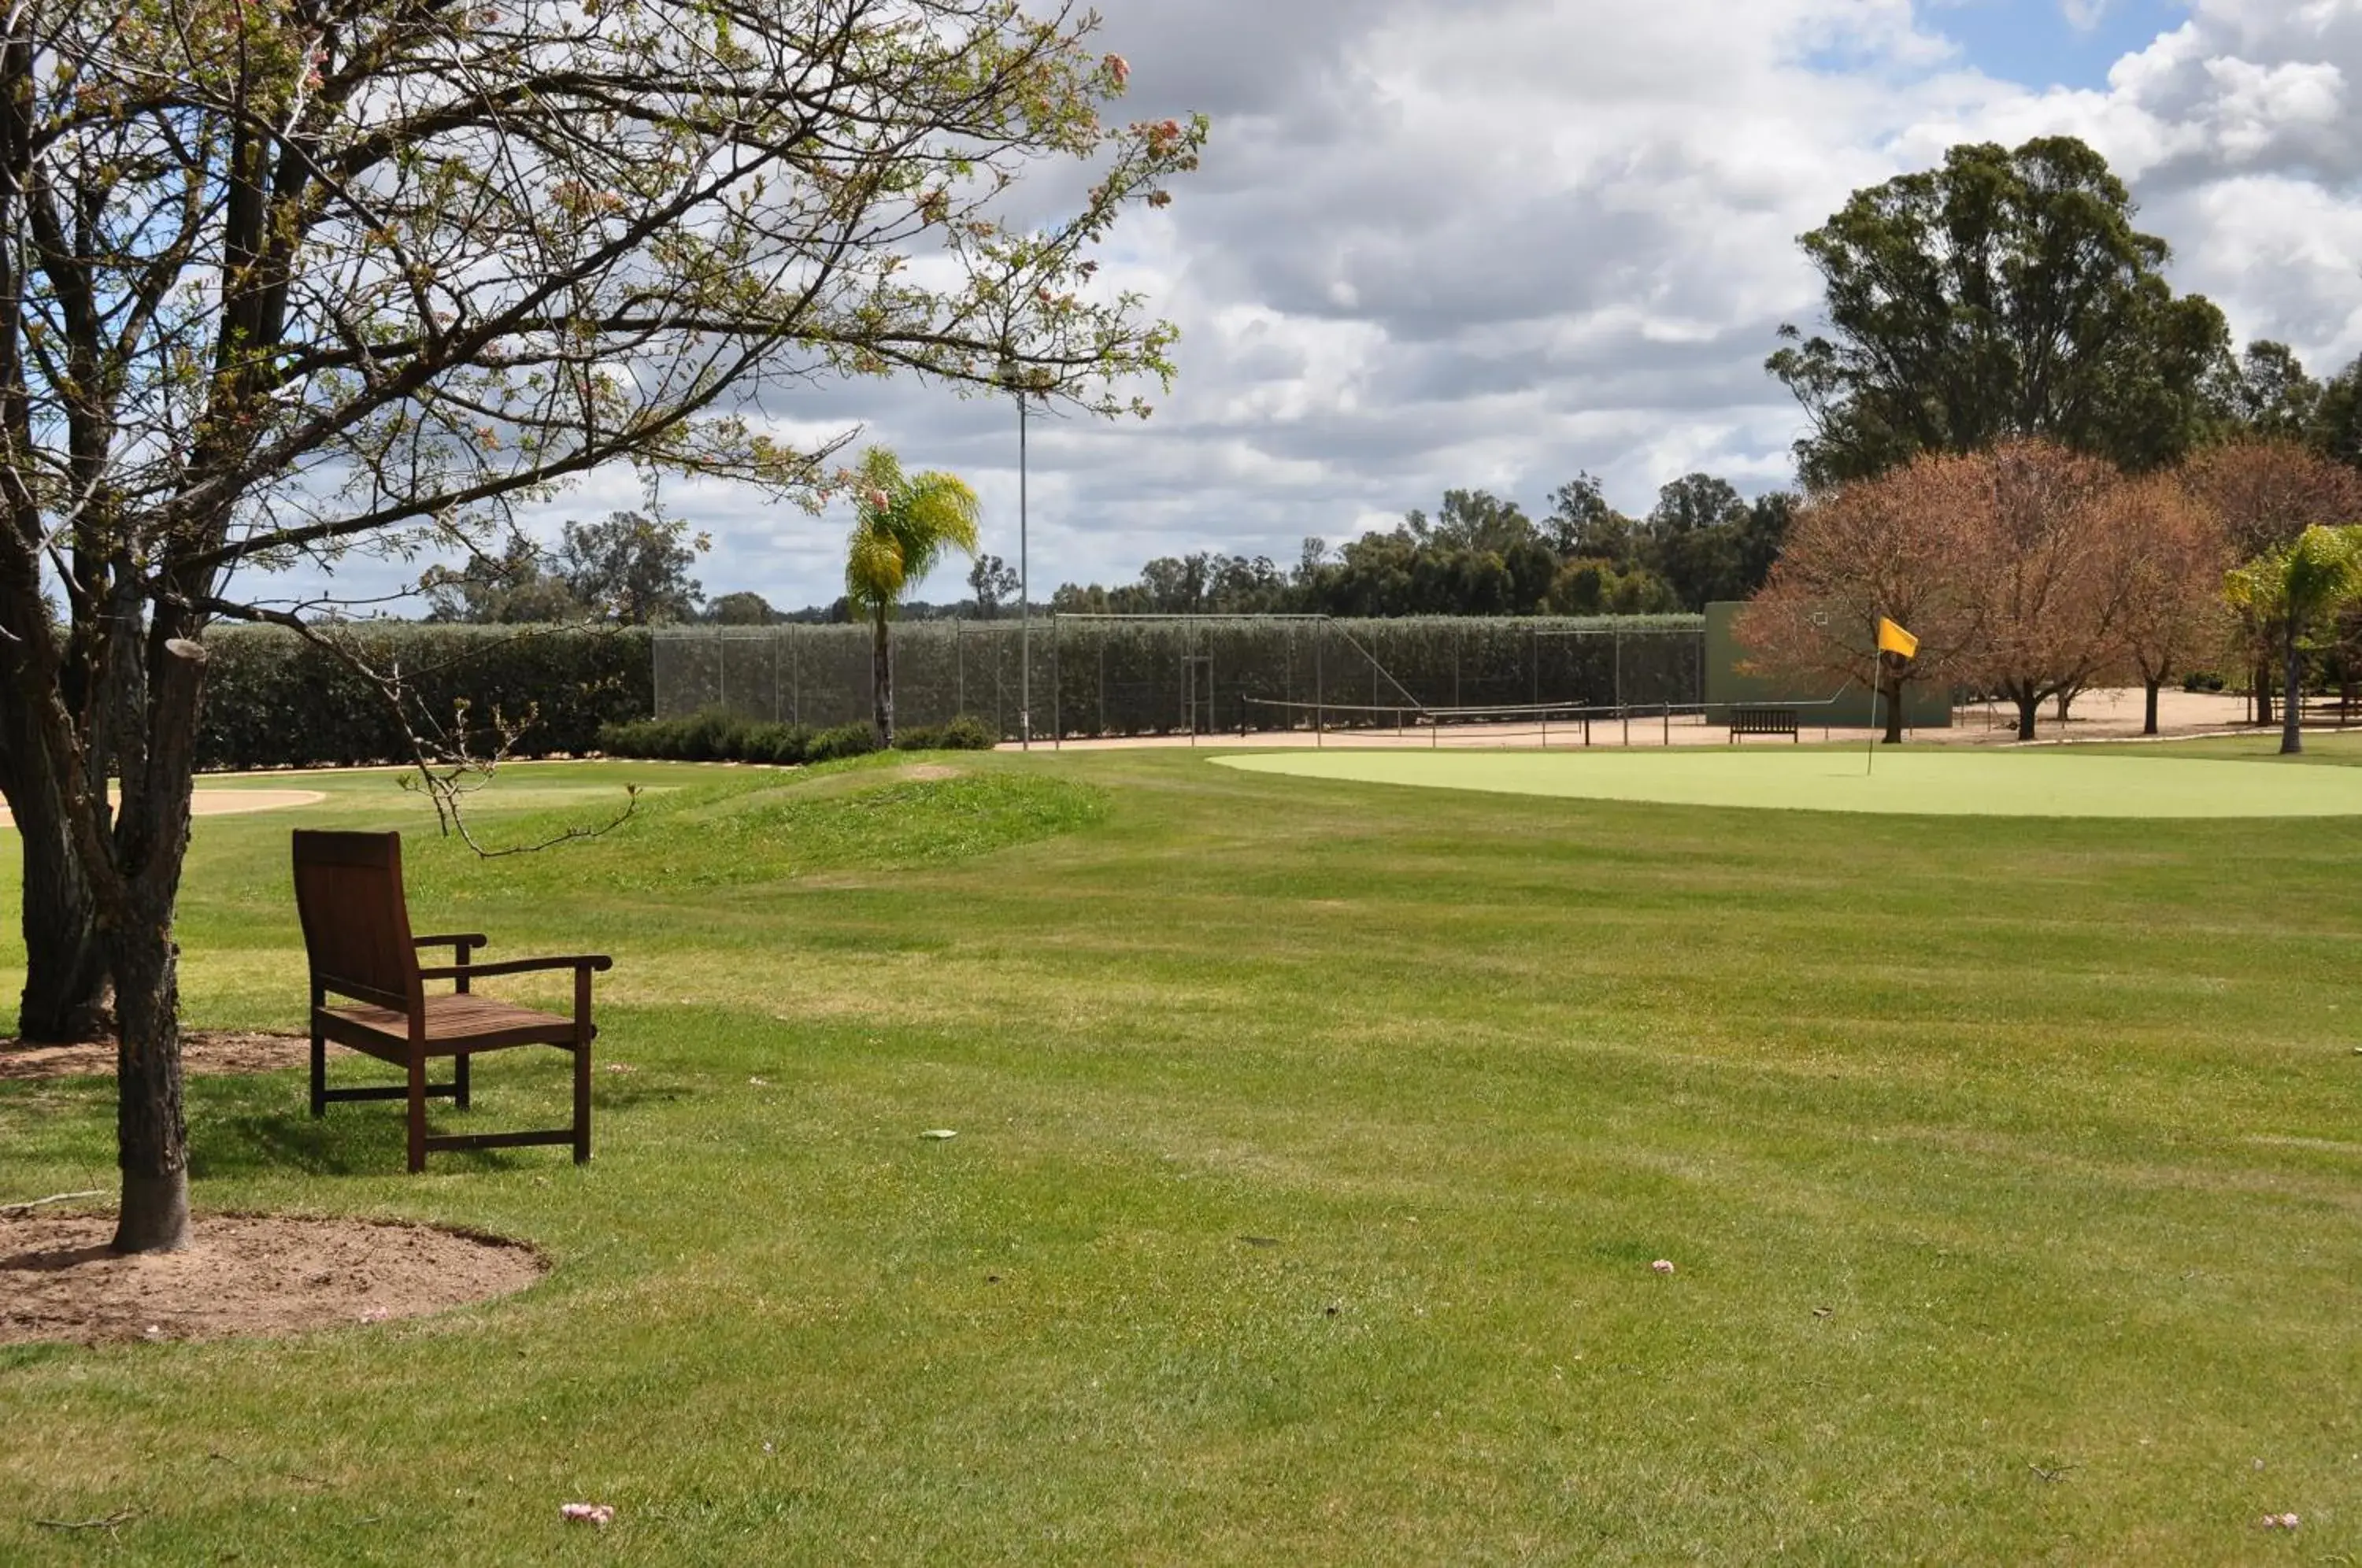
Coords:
356,925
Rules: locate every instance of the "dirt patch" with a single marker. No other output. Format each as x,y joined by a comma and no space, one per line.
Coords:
201,1051
241,1276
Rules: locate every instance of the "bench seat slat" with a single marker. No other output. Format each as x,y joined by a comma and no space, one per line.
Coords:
467,1020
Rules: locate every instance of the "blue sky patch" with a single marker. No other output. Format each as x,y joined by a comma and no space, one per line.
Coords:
2035,44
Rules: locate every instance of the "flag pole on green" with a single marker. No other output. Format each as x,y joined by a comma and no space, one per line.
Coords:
1892,639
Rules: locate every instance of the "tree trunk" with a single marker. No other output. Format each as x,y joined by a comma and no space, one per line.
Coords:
65,993
1893,736
151,1133
2291,696
151,841
881,679
2029,707
2066,701
2263,684
66,976
2148,722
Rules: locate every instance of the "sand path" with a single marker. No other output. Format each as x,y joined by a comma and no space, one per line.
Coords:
233,802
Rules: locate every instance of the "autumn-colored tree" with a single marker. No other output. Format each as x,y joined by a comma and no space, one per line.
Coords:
2026,542
2267,493
1878,546
2163,554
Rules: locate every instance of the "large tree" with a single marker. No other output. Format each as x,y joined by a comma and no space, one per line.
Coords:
2005,294
631,568
2269,393
295,277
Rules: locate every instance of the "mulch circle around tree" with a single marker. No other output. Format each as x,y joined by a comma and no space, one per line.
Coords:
242,1275
201,1051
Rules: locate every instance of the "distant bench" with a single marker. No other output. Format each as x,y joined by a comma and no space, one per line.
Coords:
1763,722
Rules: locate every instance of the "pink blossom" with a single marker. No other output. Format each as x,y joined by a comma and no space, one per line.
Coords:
600,1513
1118,68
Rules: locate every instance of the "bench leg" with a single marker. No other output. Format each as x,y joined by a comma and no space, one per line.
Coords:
582,1103
319,1071
417,1111
460,1080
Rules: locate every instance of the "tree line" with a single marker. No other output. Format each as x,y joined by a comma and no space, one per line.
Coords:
1480,555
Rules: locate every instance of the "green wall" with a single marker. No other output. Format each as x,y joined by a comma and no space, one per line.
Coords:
1925,706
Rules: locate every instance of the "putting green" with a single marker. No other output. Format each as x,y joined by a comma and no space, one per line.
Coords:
2052,783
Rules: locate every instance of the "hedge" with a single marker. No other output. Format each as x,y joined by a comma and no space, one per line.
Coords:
274,700
717,735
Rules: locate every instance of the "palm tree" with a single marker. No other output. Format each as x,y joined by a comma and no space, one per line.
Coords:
902,526
2285,594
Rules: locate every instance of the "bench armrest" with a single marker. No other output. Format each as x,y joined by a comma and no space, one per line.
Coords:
466,939
517,966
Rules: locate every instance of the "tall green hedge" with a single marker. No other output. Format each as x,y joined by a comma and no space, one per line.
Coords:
273,700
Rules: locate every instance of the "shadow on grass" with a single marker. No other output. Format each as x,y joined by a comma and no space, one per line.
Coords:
275,1142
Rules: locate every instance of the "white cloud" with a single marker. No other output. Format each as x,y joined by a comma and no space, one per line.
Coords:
1447,242
2083,15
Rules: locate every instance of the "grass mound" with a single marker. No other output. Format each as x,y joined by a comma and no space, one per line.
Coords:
698,829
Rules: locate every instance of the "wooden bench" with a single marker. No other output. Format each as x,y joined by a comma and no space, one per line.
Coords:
356,937
1763,722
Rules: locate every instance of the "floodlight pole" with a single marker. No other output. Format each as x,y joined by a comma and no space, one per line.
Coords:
1025,599
1013,376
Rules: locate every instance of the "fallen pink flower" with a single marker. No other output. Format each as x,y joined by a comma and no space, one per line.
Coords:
2280,1521
600,1513
621,1068
1663,1265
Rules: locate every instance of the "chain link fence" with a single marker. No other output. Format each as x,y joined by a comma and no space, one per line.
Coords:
1098,675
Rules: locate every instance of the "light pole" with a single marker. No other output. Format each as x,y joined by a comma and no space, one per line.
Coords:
1014,379
1024,600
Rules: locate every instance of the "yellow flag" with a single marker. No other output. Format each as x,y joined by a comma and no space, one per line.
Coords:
1893,639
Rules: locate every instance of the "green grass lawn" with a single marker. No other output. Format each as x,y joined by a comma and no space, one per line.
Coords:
1315,1140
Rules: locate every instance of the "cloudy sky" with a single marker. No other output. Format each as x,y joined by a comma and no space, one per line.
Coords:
1494,242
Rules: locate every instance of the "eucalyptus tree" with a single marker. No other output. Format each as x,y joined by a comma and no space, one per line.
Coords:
2005,294
291,279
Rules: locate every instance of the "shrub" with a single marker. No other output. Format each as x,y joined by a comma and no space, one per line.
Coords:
845,740
714,735
2201,680
965,733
